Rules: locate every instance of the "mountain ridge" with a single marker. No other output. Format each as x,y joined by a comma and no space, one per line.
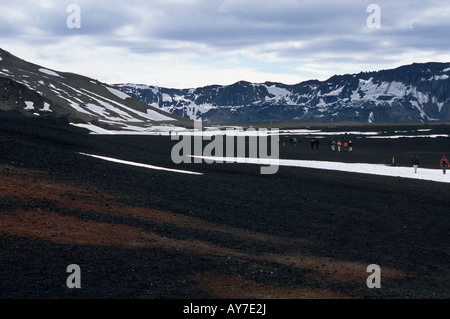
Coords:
418,92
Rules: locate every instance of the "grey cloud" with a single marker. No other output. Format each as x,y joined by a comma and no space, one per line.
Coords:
225,24
333,30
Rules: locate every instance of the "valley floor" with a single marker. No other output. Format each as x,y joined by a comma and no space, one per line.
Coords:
230,233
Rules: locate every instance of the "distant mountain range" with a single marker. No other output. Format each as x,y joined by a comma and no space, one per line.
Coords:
35,91
410,93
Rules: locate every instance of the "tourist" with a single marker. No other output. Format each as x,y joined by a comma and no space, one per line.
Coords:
444,163
415,162
333,145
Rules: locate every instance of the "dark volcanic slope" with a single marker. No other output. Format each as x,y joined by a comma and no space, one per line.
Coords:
231,233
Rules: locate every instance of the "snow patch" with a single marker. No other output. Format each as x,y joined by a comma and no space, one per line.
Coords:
118,93
439,77
280,95
77,106
49,72
335,92
29,105
411,136
150,115
46,108
97,109
166,97
155,116
115,160
434,175
372,91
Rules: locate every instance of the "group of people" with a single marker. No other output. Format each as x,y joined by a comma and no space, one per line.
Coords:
348,146
415,162
314,143
341,146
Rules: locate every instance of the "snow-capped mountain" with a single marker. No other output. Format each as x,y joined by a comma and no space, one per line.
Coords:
411,93
33,90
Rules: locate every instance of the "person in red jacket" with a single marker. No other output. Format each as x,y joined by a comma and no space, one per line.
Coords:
444,163
345,146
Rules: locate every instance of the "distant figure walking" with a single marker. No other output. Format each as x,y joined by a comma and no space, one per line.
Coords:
350,146
312,144
339,144
415,162
317,142
345,146
333,145
294,141
444,164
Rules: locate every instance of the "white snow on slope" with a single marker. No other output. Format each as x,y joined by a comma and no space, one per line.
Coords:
110,159
49,72
156,116
128,129
92,128
166,97
434,175
319,132
439,77
46,108
29,105
118,93
150,115
280,94
373,90
411,136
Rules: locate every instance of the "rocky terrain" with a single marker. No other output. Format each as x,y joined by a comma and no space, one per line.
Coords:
230,233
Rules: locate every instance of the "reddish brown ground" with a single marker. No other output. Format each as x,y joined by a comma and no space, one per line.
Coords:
49,225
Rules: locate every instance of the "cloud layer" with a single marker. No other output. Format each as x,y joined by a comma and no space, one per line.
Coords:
189,43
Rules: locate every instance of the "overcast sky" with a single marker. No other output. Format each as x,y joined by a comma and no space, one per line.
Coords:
192,43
